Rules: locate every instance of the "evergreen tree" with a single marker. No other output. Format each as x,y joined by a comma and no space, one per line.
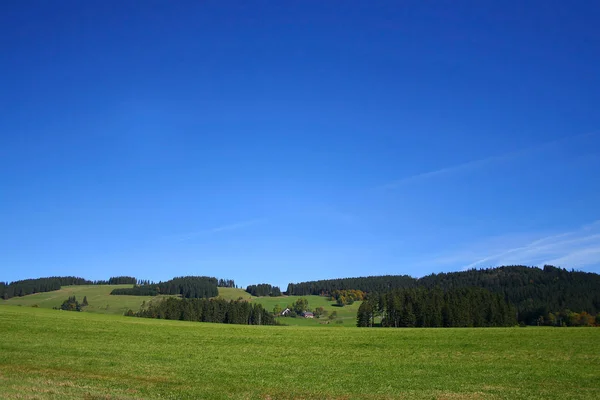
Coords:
71,304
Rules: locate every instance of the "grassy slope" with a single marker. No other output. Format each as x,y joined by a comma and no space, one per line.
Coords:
98,296
347,314
234,294
100,301
49,354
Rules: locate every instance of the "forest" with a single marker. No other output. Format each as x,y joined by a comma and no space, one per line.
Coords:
186,286
263,289
535,292
228,283
31,286
207,310
366,284
430,308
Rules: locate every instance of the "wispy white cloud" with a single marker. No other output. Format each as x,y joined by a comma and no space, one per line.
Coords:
573,249
446,171
578,248
218,229
479,163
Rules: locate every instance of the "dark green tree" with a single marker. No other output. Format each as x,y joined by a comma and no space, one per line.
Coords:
71,304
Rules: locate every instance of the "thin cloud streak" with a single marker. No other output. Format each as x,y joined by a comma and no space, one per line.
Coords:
578,248
218,229
479,163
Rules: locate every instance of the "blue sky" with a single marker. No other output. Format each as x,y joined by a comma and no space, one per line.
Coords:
287,141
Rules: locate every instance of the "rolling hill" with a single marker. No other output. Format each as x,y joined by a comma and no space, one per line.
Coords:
101,301
99,298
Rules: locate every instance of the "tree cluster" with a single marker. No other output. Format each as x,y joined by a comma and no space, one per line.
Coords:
569,318
296,308
31,286
423,307
71,304
185,286
122,280
208,310
227,283
347,297
263,289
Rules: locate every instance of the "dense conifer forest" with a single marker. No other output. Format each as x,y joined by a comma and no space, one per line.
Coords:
122,280
31,286
185,286
535,292
263,289
365,284
423,307
228,283
208,310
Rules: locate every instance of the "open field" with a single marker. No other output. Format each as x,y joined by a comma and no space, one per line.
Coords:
50,354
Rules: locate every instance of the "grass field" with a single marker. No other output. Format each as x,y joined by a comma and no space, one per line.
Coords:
50,354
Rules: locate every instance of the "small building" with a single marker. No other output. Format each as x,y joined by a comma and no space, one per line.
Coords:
285,312
308,314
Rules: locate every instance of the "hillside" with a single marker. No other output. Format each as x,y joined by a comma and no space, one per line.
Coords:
234,294
101,301
534,291
99,298
346,314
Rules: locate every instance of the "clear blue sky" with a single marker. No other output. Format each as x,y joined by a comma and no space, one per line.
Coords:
286,141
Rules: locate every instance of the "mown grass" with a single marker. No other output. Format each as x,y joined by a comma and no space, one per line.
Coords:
49,354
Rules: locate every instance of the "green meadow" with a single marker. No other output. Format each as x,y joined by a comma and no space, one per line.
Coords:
346,315
99,299
51,354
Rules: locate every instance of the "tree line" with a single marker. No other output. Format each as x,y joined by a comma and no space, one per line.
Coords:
118,280
535,292
366,284
31,286
424,307
569,318
185,286
207,310
263,289
347,297
226,283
